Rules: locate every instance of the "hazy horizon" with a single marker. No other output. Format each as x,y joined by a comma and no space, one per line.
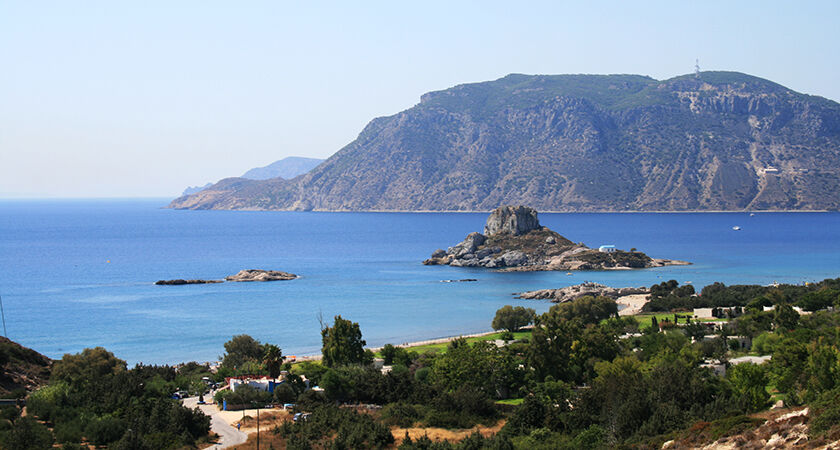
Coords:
126,100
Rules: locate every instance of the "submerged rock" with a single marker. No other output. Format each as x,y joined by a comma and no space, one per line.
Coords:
180,281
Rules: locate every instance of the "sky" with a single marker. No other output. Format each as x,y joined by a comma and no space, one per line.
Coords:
142,99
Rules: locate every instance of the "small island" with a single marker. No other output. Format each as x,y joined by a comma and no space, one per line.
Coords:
514,240
261,275
241,276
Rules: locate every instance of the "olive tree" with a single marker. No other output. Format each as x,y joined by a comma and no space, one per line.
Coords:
512,319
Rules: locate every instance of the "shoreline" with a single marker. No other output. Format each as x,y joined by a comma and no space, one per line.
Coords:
632,305
439,340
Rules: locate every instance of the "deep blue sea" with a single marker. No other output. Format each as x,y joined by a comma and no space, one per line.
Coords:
80,273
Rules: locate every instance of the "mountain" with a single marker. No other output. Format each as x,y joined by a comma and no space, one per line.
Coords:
193,189
717,141
286,168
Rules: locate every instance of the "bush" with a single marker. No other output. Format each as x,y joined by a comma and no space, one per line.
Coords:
400,414
284,393
765,343
825,414
105,430
590,438
69,432
27,433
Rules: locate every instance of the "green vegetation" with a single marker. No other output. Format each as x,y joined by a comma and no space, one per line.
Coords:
669,296
92,396
343,343
512,319
442,347
571,382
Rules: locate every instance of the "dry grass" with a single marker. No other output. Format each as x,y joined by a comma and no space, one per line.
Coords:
268,420
267,436
442,434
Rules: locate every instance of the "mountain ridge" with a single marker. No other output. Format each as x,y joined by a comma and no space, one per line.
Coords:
722,141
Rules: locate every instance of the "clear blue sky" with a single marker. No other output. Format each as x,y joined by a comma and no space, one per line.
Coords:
119,98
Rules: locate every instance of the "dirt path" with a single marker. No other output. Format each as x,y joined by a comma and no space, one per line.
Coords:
228,435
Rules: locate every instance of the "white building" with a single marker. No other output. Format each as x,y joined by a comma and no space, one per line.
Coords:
260,383
607,248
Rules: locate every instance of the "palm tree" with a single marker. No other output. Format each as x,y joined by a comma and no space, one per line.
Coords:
272,359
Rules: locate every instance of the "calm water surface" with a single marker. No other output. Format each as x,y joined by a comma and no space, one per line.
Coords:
80,273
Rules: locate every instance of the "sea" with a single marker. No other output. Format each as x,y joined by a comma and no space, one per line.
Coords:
80,273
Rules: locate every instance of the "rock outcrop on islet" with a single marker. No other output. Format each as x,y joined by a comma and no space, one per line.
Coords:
570,293
514,240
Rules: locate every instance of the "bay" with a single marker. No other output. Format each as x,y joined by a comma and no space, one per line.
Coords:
80,273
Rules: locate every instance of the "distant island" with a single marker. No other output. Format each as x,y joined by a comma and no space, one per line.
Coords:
286,168
514,240
714,141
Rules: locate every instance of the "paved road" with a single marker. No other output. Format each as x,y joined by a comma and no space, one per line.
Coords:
228,435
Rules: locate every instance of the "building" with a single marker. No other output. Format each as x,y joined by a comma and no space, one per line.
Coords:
719,312
262,383
607,248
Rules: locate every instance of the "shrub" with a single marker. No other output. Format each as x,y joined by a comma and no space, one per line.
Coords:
69,432
400,414
284,393
27,433
105,430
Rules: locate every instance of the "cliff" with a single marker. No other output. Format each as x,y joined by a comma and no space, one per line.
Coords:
721,141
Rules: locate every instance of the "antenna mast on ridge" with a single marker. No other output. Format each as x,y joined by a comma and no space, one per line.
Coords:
697,68
3,313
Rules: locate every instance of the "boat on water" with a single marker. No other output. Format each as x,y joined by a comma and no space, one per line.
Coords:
736,228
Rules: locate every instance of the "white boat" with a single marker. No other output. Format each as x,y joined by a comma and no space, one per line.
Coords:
736,228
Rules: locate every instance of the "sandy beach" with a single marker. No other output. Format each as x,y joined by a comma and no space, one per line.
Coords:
633,303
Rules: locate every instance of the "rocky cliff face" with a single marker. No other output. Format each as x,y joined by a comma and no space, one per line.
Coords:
723,141
515,241
515,220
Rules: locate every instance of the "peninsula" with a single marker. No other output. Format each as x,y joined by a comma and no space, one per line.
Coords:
514,240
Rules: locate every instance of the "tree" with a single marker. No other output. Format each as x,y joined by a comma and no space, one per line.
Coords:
88,366
749,381
786,317
815,301
272,359
482,366
241,348
511,319
587,308
342,343
695,330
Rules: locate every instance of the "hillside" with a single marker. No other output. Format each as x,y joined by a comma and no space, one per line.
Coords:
720,141
22,368
286,168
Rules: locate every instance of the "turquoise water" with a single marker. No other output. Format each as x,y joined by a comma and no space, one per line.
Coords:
80,273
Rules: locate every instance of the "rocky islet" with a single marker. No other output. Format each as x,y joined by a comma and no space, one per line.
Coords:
514,240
